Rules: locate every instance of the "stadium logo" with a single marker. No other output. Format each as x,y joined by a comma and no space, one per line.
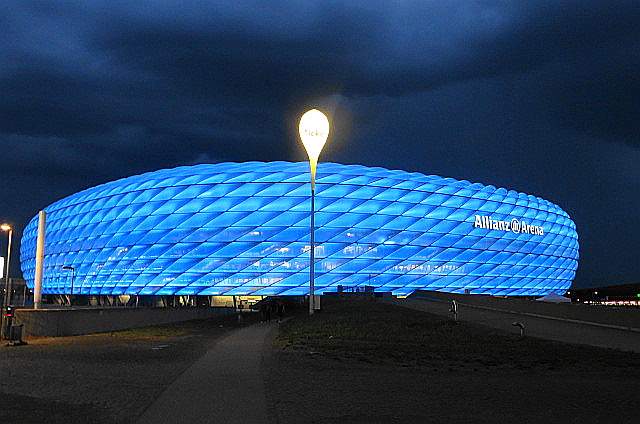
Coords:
515,225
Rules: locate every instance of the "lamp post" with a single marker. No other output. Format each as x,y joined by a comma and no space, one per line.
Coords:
7,295
314,130
73,277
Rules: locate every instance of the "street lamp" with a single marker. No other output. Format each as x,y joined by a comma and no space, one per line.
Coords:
73,277
7,296
314,130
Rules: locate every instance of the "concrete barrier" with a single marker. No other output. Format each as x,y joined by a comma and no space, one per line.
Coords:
627,317
77,321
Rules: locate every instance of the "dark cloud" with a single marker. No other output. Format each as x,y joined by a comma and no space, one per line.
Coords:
538,96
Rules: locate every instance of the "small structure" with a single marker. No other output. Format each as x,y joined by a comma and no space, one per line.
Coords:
520,325
554,298
453,309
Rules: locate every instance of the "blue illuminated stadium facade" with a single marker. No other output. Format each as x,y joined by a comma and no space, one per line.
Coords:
243,229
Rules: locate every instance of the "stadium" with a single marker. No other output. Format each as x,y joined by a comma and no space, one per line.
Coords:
242,229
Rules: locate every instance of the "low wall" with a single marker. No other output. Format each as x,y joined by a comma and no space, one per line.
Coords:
77,321
628,317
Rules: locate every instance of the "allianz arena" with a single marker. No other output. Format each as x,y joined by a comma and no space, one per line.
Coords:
243,229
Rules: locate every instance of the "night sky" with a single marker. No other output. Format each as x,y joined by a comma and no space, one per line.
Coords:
537,96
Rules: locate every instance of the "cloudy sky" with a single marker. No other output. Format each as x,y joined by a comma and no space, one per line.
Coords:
540,96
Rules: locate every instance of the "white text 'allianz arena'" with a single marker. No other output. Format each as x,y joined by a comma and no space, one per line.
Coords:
243,229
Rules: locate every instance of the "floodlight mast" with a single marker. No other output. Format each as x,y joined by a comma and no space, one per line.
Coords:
314,130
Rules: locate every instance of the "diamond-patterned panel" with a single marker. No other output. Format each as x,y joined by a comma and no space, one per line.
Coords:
243,228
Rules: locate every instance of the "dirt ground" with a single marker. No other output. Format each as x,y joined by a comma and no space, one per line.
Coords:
112,378
373,363
104,378
313,389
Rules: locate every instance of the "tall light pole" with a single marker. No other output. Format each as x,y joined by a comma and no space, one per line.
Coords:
7,286
7,298
314,130
73,277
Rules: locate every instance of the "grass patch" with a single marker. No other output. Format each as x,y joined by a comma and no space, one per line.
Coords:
175,330
150,333
374,332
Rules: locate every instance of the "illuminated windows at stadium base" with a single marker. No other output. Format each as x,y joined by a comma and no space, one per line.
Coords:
243,229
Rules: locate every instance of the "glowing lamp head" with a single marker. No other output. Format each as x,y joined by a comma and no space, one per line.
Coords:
5,227
314,130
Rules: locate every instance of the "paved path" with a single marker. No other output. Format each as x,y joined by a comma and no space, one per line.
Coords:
226,385
550,328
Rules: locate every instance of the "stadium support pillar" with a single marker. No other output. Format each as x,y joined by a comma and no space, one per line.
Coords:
37,282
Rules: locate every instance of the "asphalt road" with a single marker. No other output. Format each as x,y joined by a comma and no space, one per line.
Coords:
224,386
548,327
